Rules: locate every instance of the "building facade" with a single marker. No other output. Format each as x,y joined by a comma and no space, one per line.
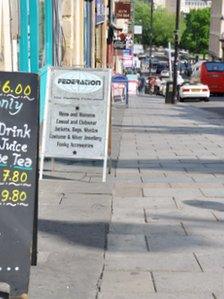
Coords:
217,29
185,5
159,3
188,5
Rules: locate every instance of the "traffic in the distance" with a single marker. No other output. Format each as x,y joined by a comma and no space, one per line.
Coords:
196,79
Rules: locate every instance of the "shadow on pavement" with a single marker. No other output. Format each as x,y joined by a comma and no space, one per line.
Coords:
172,130
218,110
194,165
89,234
161,237
211,205
202,166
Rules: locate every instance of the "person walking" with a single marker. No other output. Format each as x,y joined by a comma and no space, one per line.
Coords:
141,84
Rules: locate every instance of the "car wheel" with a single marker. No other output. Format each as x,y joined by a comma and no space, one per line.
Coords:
206,99
181,99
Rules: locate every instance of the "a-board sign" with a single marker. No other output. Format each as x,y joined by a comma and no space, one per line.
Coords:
18,176
77,110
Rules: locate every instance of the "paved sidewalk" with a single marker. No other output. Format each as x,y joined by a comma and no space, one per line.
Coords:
166,236
155,230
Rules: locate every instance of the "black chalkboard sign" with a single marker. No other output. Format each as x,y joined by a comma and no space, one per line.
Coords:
18,176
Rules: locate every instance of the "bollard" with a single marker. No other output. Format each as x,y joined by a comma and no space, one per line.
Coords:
4,290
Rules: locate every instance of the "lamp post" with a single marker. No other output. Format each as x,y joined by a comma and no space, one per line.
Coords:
176,50
151,35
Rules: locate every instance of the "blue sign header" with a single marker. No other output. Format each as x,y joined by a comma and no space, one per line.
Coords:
100,11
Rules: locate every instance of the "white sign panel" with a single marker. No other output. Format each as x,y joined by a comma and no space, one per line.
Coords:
127,61
138,49
137,29
77,114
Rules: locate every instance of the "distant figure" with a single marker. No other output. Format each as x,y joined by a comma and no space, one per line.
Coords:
180,80
157,86
152,82
141,84
136,63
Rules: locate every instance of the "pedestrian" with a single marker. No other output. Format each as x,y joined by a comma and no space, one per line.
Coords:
157,85
152,81
141,84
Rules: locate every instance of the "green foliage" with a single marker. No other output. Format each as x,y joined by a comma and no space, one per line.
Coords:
163,24
196,35
142,17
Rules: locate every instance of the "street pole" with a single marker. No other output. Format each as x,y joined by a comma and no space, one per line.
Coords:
151,36
170,61
176,50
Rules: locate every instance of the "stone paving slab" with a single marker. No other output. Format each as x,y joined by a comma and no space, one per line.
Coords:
65,239
77,187
211,230
186,193
144,202
212,262
149,229
185,244
80,201
165,230
123,295
180,181
125,190
152,173
129,215
219,215
128,179
188,282
61,279
129,228
167,180
200,178
135,282
125,172
172,262
213,192
126,243
127,295
187,214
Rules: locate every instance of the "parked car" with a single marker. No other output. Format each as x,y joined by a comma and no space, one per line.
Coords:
160,66
165,74
190,90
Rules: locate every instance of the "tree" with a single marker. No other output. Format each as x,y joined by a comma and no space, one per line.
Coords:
196,35
163,24
142,17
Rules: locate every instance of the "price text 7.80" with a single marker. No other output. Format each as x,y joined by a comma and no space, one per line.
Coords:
14,176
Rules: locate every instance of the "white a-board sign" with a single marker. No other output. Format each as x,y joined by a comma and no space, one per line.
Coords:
77,115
